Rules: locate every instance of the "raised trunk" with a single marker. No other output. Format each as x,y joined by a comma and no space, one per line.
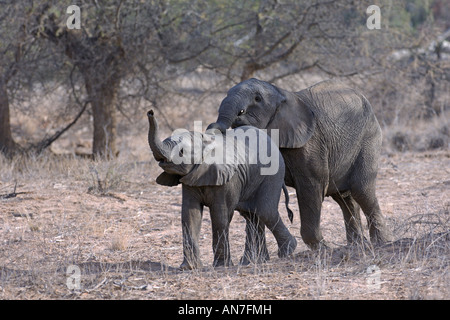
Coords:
7,145
160,151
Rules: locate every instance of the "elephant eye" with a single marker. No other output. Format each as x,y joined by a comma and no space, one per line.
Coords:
241,112
258,98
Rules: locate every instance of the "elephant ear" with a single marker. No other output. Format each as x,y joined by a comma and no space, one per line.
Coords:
214,170
167,179
293,118
209,175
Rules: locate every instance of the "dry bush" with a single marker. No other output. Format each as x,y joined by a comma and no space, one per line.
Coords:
419,135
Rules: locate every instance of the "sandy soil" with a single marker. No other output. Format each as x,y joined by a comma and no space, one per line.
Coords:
122,232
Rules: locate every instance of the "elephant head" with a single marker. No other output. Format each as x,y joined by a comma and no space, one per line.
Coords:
187,157
263,105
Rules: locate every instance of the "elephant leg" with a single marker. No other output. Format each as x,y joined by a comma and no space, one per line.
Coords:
310,205
220,220
352,218
285,240
255,243
375,220
265,207
362,189
191,219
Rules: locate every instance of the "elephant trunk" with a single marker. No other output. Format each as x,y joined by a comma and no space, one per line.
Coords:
226,115
219,126
160,151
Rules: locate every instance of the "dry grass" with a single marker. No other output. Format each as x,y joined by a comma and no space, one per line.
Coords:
124,233
421,136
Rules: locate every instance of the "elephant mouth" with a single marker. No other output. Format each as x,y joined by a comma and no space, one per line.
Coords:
164,164
172,168
168,167
238,123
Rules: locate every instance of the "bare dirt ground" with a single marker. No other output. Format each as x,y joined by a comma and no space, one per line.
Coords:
123,233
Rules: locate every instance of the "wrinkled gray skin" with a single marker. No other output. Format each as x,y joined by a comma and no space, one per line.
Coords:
330,140
223,188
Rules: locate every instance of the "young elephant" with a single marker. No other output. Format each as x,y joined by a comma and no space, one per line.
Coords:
241,181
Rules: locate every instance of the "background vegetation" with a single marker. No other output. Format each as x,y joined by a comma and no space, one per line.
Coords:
180,57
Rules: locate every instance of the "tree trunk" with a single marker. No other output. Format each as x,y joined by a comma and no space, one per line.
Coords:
99,58
102,94
7,145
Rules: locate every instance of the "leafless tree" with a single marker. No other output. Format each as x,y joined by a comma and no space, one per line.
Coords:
133,50
13,47
24,61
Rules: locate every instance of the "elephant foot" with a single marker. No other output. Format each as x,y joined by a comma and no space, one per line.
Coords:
359,241
318,246
222,263
255,258
190,265
287,248
380,237
378,230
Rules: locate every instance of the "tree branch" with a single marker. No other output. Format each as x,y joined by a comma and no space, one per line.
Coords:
41,146
332,73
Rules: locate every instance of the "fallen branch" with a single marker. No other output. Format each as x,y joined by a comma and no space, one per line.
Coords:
121,285
12,194
41,146
98,286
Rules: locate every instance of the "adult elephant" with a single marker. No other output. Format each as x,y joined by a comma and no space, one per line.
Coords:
330,140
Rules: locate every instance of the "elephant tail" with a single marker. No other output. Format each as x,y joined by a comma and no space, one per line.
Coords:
286,196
